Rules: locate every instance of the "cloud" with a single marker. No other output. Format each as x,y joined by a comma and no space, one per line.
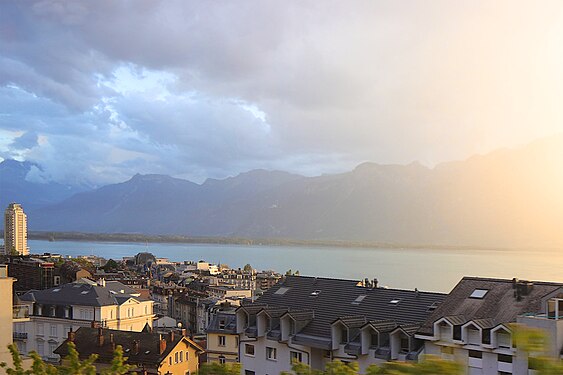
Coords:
97,91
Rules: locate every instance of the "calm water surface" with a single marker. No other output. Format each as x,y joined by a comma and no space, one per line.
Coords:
425,269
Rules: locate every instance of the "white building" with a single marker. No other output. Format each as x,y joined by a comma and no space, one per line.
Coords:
472,325
55,311
317,320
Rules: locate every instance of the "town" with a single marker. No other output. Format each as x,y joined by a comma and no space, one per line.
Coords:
170,317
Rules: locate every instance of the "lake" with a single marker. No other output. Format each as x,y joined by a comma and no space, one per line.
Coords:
425,269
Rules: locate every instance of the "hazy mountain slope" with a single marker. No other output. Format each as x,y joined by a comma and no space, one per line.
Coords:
506,198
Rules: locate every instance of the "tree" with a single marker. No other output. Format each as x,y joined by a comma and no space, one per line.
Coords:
535,343
111,265
216,368
73,365
247,268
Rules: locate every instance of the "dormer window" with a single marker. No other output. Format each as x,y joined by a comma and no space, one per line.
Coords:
374,340
222,324
343,335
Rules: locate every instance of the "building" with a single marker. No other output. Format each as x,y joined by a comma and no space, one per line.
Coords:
222,338
151,353
317,320
15,230
472,325
10,314
56,311
32,273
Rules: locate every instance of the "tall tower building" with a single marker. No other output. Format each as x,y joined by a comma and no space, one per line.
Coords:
15,230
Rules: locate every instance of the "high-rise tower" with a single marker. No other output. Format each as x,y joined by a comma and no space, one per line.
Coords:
15,230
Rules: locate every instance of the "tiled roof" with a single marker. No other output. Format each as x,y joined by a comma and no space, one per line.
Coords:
86,341
498,305
331,299
75,294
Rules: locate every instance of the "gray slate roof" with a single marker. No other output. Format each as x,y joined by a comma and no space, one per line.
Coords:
334,299
77,294
498,306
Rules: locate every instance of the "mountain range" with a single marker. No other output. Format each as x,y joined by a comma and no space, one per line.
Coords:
508,198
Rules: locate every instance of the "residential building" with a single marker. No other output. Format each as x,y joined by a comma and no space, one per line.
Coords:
10,314
56,311
473,323
316,320
15,230
222,338
151,353
267,279
31,273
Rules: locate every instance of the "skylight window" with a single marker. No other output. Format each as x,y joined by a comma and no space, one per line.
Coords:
478,293
394,301
56,290
281,291
84,292
359,299
315,293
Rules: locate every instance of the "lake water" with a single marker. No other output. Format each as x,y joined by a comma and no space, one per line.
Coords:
425,269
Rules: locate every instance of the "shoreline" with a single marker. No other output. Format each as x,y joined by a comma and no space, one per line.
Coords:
178,239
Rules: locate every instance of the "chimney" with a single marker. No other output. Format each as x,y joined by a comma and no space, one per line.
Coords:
162,344
184,332
136,346
100,337
171,336
375,282
71,336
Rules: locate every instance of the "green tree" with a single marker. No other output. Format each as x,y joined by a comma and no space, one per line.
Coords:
535,343
72,366
111,265
247,268
216,368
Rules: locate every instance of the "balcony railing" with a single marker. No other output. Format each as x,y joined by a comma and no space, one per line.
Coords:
20,312
20,335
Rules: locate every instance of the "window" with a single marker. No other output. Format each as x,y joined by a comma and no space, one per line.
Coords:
222,359
505,358
296,356
222,340
187,355
479,293
52,347
40,329
359,299
475,354
374,340
248,372
54,332
176,357
405,345
181,356
249,349
170,360
222,324
271,353
40,348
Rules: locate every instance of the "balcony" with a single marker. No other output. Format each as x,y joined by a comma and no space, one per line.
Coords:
20,336
20,313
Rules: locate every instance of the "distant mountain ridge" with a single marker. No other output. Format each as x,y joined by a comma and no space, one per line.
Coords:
17,186
508,198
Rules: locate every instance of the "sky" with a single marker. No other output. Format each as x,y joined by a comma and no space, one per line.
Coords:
96,91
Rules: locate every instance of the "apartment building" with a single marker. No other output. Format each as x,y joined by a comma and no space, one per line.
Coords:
473,324
317,320
10,314
15,230
222,338
56,311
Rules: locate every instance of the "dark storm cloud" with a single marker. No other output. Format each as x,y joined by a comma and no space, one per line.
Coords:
101,90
